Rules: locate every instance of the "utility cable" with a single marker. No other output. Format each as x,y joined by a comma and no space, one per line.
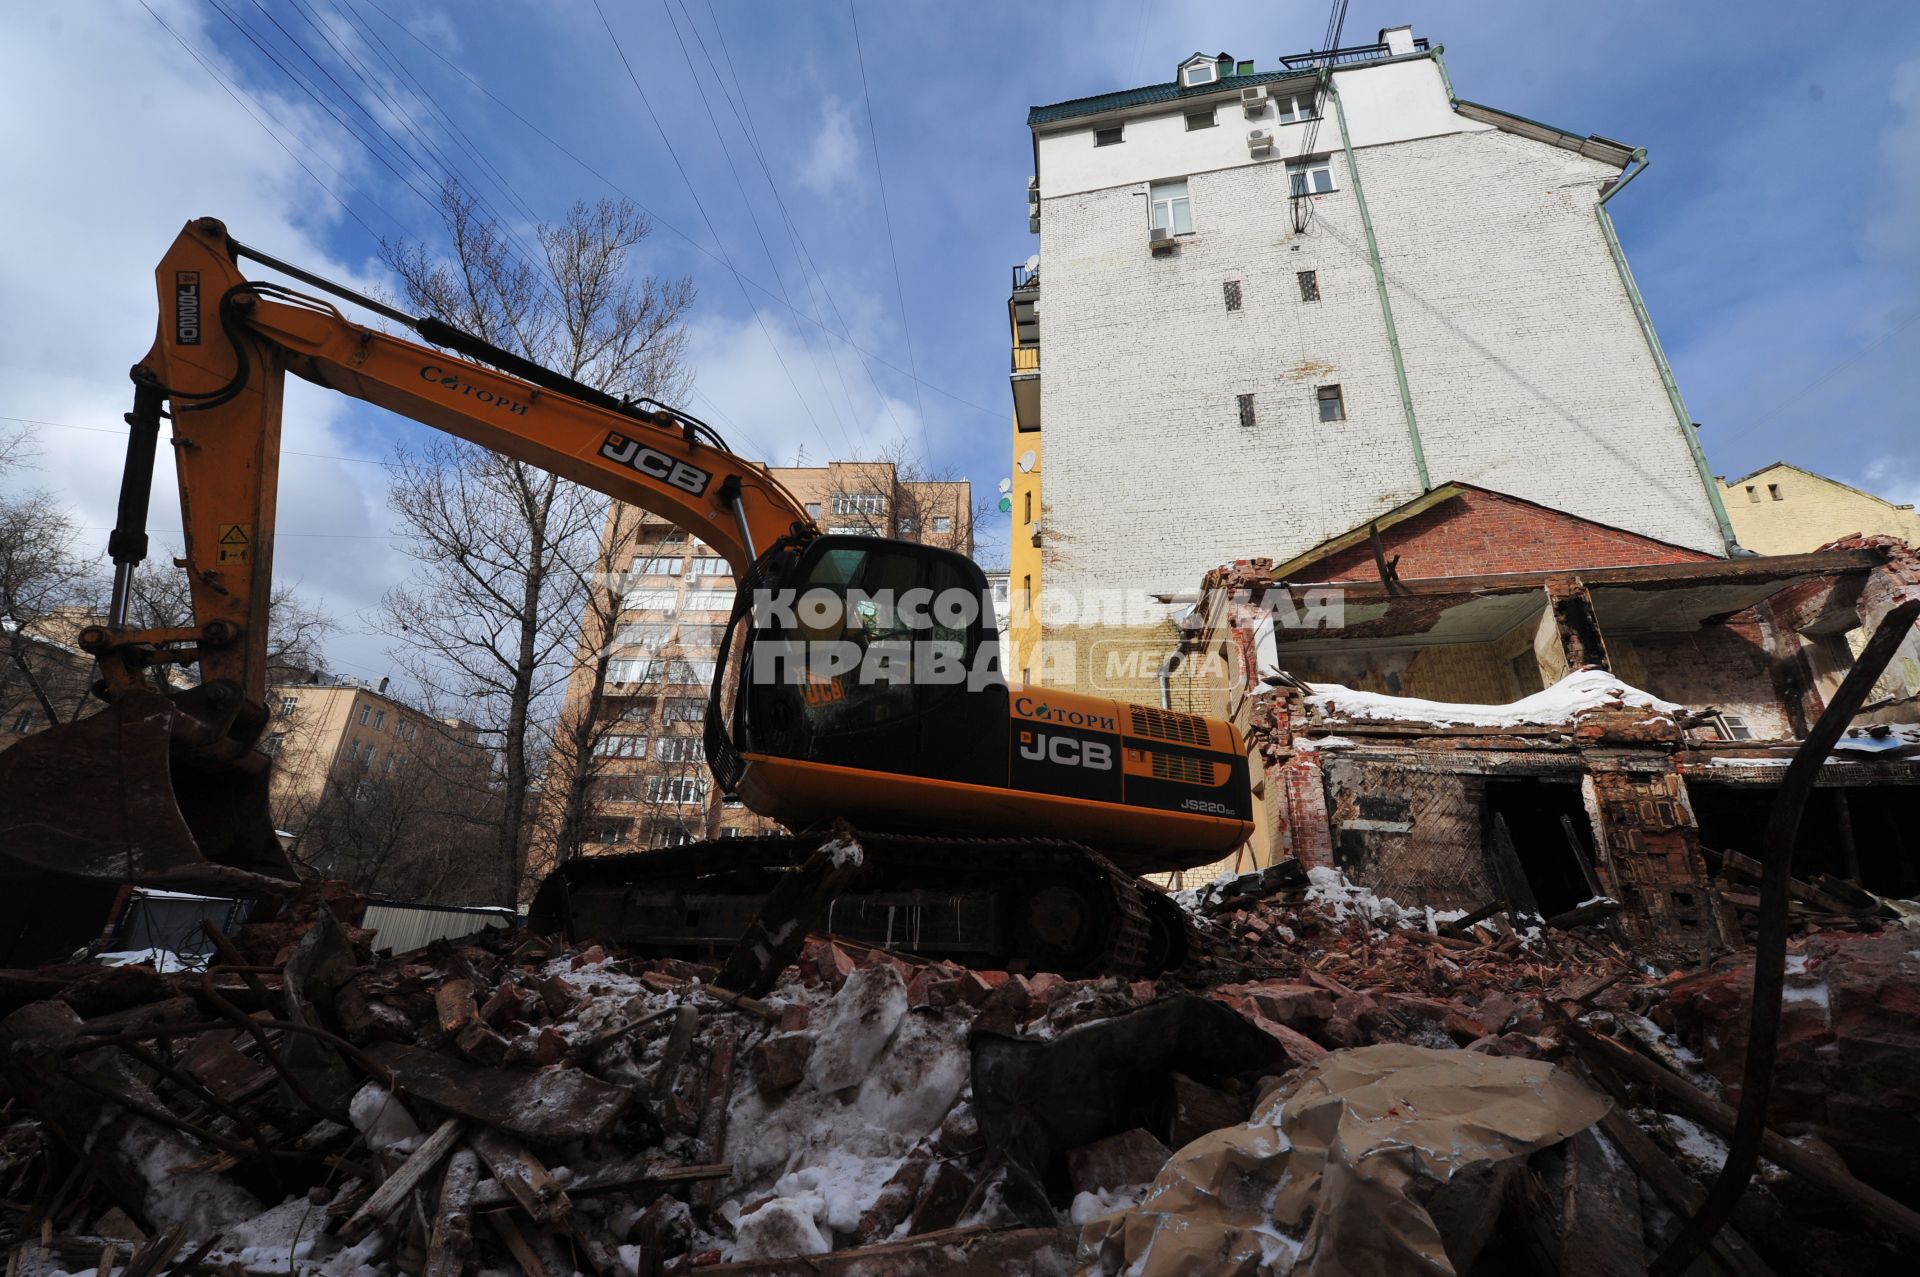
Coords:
913,367
738,278
726,152
696,245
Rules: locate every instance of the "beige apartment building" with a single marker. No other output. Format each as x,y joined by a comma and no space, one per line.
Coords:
338,734
648,784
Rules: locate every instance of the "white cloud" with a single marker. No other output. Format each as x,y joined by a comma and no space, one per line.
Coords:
832,163
114,139
1896,479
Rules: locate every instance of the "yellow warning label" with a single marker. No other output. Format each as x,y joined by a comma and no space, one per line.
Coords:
236,545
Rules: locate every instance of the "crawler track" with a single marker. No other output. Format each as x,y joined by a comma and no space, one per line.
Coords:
1037,904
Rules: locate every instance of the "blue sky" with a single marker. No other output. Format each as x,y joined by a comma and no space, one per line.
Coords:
1772,235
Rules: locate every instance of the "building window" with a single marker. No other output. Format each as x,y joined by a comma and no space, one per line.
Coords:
1733,727
608,831
24,723
1310,177
733,831
909,526
1246,410
698,673
710,565
1332,407
1753,494
731,801
379,719
633,671
1773,490
1026,592
371,751
676,789
1171,207
353,751
651,600
1200,120
652,637
942,523
709,600
678,749
271,746
657,565
622,746
1028,496
1232,290
388,765
684,709
366,712
1309,285
1294,107
1200,73
1108,137
288,704
852,530
813,509
857,503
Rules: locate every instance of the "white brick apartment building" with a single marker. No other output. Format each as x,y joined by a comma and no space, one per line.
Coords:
1234,389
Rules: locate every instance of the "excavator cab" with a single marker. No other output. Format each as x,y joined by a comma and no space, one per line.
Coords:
879,656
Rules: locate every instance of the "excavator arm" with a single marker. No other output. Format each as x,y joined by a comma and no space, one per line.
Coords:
220,357
165,786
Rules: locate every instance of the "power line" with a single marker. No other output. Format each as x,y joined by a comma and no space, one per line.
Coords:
109,430
740,102
701,88
693,243
241,102
913,367
727,257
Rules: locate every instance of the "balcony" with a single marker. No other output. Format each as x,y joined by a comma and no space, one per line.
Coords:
1345,57
1023,314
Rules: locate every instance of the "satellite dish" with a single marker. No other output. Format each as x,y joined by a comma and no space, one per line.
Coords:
1006,505
1006,486
1027,461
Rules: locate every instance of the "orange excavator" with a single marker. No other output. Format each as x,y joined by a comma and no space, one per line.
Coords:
856,684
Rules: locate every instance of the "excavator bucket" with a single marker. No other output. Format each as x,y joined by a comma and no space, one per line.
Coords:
124,796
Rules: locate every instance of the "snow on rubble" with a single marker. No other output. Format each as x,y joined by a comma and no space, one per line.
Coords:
1577,693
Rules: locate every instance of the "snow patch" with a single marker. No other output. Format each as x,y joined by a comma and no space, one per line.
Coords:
381,1119
1573,695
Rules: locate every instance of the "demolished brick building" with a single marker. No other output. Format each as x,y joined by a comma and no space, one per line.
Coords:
1518,702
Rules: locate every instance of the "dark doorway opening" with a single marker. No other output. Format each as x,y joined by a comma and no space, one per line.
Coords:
1873,827
1552,838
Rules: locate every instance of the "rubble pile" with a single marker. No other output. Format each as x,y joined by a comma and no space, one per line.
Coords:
509,1102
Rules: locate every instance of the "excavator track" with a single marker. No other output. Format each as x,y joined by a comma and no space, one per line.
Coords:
1037,904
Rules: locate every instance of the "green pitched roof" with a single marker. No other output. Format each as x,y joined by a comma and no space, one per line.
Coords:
1169,92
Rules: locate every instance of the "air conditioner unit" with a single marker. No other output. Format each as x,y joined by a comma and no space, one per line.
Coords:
1160,239
1254,99
1033,183
1259,141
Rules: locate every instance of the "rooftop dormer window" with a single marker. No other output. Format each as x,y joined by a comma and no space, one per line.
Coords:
1199,73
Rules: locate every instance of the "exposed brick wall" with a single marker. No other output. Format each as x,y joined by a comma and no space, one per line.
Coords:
1649,854
1480,533
1413,834
1722,667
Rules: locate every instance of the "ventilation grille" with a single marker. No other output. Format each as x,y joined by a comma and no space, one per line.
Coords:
1191,771
1188,729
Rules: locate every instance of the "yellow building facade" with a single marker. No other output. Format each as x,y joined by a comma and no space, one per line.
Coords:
1783,509
1027,536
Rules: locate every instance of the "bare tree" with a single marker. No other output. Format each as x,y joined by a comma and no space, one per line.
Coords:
401,829
506,554
47,593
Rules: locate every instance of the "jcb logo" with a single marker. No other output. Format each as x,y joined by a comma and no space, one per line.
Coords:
1066,751
655,465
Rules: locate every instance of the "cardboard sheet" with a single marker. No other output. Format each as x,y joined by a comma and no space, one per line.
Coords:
1332,1173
